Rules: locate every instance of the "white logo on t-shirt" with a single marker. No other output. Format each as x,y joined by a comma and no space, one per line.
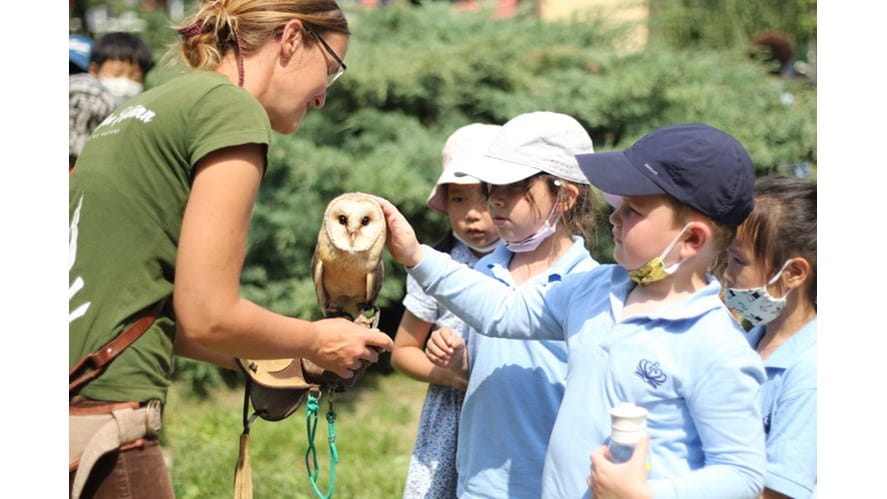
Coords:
138,112
78,283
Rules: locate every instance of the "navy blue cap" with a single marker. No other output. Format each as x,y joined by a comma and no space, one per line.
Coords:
79,47
695,163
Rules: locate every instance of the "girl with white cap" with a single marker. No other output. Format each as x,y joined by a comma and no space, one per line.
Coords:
540,203
432,468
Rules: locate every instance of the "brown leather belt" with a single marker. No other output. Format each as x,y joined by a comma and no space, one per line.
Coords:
96,428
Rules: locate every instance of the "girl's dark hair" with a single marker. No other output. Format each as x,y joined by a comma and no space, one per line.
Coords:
782,224
119,46
579,220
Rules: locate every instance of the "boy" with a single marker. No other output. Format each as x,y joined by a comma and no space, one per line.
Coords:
651,330
118,63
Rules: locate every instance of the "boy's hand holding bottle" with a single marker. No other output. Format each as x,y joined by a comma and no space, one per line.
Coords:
628,480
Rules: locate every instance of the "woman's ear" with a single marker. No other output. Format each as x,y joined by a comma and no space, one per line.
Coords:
291,36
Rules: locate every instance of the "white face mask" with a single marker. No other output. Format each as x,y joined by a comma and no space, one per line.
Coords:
755,304
480,249
549,227
655,269
122,88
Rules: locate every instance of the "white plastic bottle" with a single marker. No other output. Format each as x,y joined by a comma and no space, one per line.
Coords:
628,423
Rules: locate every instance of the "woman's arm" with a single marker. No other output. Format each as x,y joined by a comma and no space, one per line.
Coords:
212,247
187,348
409,356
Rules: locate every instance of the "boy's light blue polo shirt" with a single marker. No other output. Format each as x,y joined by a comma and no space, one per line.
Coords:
514,391
688,364
788,408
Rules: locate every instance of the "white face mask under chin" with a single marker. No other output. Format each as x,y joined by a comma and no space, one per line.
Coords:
756,305
549,227
480,249
122,88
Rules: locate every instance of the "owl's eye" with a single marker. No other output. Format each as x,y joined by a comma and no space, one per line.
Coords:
343,219
365,221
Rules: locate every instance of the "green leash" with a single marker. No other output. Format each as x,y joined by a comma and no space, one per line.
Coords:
311,454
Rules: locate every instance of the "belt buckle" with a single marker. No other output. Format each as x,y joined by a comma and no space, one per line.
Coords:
152,418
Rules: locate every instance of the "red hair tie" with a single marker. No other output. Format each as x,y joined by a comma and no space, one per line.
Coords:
193,29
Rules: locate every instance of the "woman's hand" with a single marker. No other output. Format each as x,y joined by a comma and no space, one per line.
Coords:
626,480
343,347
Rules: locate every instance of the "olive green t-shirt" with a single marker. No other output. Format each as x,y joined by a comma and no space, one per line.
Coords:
127,196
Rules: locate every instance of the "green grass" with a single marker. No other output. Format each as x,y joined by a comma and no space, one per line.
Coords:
375,431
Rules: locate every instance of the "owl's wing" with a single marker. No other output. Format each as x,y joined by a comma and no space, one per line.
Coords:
374,283
317,276
377,275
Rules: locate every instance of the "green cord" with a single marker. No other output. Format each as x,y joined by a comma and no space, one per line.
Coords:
311,454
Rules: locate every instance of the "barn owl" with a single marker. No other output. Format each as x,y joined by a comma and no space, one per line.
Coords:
347,265
347,270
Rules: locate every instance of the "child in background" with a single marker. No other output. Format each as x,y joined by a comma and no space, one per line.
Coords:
432,468
118,63
89,103
540,203
775,251
651,329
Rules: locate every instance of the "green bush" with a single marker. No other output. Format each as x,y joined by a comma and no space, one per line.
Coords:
728,23
416,74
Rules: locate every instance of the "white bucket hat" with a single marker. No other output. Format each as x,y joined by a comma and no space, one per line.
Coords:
530,143
464,147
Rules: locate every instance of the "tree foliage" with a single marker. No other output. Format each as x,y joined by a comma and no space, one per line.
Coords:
416,74
729,23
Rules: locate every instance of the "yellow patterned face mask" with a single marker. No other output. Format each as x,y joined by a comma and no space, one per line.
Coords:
655,270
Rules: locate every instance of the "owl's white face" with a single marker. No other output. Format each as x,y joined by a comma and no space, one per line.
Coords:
354,223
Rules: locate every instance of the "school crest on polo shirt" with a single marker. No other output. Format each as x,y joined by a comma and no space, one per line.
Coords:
651,373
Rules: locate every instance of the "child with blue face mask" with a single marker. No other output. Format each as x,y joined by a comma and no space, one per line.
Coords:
650,330
539,202
771,283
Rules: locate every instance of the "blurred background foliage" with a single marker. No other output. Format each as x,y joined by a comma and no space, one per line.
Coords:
416,73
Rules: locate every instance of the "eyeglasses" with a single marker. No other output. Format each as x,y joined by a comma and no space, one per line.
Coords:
330,78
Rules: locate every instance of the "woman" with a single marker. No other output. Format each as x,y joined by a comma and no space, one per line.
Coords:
160,204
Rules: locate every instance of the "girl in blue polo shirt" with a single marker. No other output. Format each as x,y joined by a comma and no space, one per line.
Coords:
540,204
771,279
